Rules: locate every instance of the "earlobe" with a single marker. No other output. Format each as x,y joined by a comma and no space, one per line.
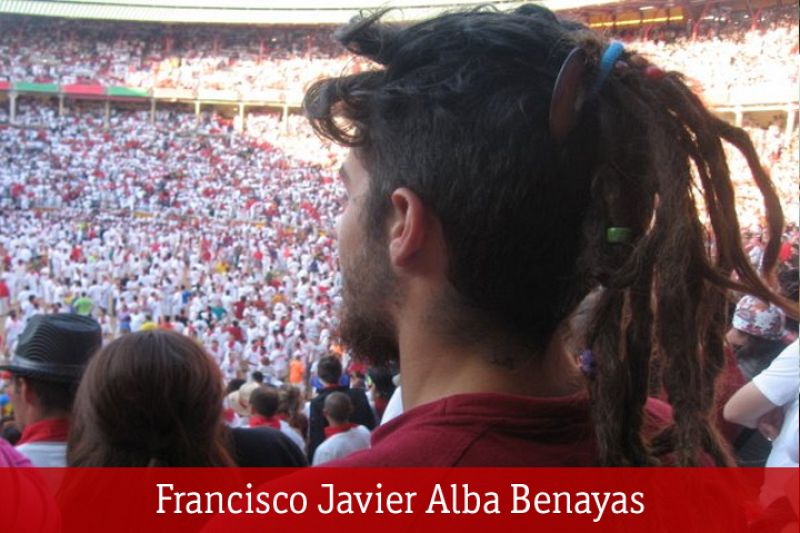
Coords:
407,231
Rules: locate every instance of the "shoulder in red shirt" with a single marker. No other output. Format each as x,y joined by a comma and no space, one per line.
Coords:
493,430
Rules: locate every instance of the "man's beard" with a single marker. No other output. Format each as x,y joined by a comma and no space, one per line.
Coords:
365,324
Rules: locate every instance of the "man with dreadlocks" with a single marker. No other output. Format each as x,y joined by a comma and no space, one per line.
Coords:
504,166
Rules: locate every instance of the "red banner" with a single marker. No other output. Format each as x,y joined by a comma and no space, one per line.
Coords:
84,89
5,85
410,499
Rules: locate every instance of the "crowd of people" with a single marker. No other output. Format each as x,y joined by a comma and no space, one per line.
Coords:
166,221
136,235
758,54
182,225
152,56
750,56
222,237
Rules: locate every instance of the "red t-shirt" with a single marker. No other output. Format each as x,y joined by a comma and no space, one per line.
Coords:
237,333
489,429
785,253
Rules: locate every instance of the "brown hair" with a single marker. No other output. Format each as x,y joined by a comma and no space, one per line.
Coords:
264,401
150,398
291,406
338,407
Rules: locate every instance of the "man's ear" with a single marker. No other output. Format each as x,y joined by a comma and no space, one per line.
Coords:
25,391
407,229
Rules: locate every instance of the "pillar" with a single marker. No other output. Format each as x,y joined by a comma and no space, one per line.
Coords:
12,107
791,113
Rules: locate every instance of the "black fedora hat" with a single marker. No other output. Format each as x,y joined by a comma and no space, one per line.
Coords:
55,347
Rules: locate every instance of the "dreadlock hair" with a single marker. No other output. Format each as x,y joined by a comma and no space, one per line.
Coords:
458,113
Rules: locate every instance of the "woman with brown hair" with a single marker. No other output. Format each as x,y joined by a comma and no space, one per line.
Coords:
290,409
149,399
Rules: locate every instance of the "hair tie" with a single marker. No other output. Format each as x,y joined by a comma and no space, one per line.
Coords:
654,73
619,235
607,62
587,363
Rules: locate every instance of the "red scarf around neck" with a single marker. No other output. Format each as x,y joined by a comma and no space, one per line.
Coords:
330,431
47,430
258,421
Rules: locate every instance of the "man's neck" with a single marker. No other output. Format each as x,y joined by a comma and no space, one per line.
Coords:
34,414
433,370
337,428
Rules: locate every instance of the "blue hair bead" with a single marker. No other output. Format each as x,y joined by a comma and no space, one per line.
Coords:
607,62
587,363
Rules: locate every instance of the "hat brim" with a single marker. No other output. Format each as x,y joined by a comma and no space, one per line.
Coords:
238,408
49,372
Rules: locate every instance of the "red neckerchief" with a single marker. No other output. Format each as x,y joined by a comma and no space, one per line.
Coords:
48,430
330,431
258,420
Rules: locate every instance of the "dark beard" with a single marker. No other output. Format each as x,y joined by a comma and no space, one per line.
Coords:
371,339
365,325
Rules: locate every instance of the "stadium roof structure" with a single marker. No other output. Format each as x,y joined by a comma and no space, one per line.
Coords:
278,12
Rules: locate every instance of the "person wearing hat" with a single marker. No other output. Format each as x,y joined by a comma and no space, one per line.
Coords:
757,334
260,445
51,355
239,401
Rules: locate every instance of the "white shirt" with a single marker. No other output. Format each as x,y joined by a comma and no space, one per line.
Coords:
394,407
780,384
45,454
342,445
293,435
